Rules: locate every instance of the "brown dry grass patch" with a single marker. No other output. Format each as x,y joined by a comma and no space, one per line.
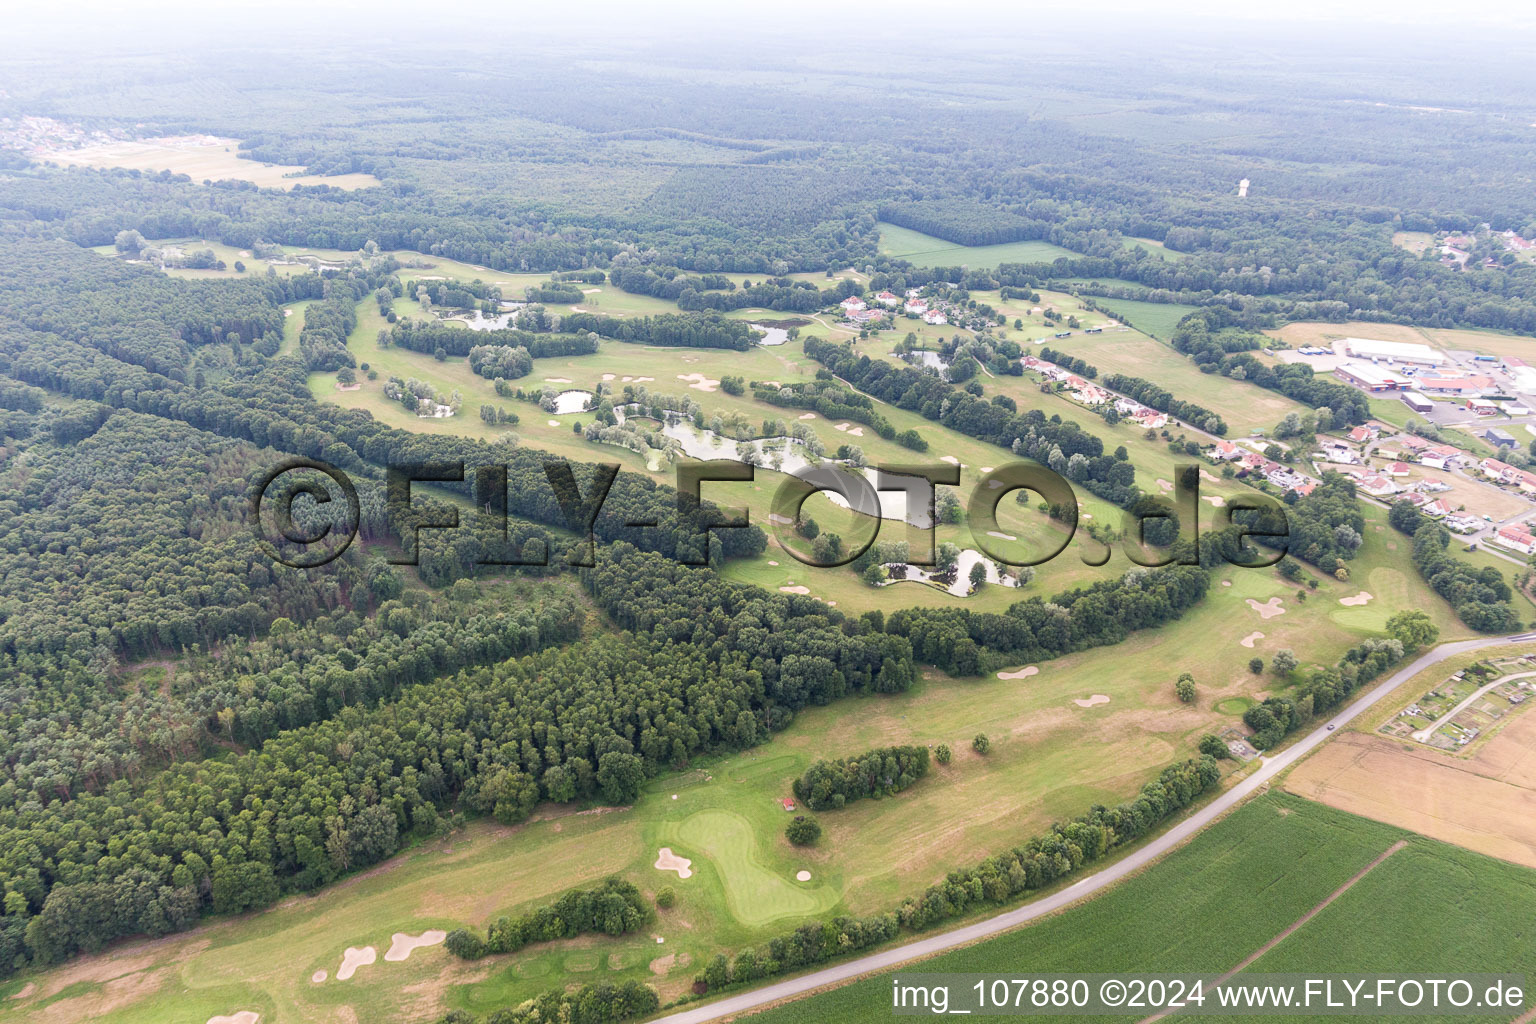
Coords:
1485,803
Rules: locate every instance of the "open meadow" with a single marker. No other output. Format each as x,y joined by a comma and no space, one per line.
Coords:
927,251
202,158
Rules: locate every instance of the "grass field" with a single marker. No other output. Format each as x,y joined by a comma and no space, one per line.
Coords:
1154,318
927,251
1237,885
202,162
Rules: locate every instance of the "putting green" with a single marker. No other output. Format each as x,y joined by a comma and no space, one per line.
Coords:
754,893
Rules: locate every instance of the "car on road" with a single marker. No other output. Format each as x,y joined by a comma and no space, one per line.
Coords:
1331,727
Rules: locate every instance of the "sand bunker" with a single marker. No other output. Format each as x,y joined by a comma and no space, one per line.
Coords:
348,387
609,376
1164,484
1000,535
402,945
1023,673
802,876
808,416
1209,477
796,590
642,380
1364,597
354,958
772,562
557,380
1269,609
1214,499
699,382
318,977
1091,702
949,459
986,469
1226,583
1248,640
243,1017
666,860
554,423
852,430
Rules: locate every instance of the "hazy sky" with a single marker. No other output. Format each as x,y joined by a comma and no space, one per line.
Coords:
157,24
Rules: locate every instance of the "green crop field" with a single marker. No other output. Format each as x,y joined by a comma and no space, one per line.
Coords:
927,251
1237,885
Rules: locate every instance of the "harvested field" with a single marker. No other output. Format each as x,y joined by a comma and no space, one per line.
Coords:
1485,803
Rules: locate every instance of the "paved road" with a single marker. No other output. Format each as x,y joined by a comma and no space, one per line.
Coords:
1093,883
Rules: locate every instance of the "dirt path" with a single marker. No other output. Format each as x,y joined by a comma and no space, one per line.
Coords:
1291,929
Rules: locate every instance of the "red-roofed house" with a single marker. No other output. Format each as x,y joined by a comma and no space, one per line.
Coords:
1516,536
1443,457
1437,509
1396,469
1376,486
1151,419
852,304
935,316
1415,443
1226,451
787,804
917,307
1496,470
1360,435
888,300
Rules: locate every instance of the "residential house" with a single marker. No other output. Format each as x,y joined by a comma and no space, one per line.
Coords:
1151,419
1503,472
1395,469
1377,486
935,316
1361,434
1442,456
1516,536
852,304
888,300
917,307
1463,524
1226,451
1436,509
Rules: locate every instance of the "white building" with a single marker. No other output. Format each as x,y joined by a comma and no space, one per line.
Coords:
1401,351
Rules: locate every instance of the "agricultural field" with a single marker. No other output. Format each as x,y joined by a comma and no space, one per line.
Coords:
1482,798
202,158
1239,884
927,251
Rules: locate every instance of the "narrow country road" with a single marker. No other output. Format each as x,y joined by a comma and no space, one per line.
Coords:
1097,881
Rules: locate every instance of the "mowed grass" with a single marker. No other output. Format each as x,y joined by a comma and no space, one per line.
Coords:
1201,909
927,251
755,893
1156,319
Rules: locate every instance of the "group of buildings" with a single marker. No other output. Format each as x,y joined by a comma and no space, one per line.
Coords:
1091,394
857,311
